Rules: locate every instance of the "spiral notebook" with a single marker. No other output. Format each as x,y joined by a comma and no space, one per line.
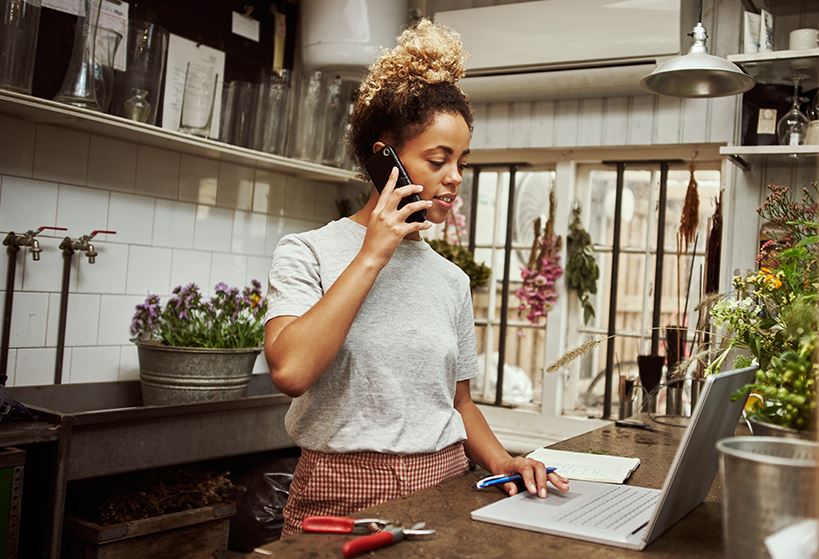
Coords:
587,467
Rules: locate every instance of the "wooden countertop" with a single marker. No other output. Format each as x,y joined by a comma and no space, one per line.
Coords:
447,508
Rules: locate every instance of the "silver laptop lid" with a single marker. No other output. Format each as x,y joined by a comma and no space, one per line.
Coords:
697,460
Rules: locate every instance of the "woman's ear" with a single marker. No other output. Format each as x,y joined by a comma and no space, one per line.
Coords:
378,146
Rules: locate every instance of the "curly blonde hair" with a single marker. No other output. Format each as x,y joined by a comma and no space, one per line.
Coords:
407,86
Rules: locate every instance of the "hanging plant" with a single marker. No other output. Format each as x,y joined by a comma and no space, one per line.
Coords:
582,272
538,293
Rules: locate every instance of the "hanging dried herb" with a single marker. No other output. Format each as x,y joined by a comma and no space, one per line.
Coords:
690,218
582,272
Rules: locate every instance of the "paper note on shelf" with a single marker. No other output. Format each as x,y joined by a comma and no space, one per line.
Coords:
587,467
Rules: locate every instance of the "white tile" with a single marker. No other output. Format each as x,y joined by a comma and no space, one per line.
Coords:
81,319
111,164
46,274
326,196
35,367
61,155
198,179
299,198
116,312
29,316
157,172
149,270
278,227
132,217
27,204
249,231
10,367
107,274
173,224
82,210
235,186
257,268
16,147
268,192
191,266
228,268
128,363
94,364
214,227
19,269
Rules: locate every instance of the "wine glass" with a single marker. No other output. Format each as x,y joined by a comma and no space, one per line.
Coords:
792,128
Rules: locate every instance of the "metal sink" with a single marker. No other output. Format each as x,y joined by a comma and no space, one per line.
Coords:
109,431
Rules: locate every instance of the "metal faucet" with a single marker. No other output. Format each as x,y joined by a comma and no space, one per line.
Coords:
83,244
15,241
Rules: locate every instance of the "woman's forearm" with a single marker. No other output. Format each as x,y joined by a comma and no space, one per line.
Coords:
299,353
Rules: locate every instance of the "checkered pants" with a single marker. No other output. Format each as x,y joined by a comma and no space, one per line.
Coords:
340,484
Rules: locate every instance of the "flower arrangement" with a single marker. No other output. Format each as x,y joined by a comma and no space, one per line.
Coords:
229,319
538,293
773,315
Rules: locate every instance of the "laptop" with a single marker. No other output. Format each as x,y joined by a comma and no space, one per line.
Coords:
630,516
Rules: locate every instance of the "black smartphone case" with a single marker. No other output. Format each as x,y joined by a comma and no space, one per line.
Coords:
379,167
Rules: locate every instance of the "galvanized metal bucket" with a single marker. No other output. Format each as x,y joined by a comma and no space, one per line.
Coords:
768,483
183,375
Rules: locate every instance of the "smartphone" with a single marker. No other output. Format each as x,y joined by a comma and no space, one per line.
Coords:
379,167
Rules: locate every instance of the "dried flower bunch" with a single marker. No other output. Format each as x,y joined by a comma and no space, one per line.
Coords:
538,293
229,319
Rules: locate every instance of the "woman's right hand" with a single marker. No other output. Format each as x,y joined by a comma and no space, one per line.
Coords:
388,225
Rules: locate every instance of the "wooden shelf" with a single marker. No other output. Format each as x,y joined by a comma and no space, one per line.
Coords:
744,156
44,111
779,67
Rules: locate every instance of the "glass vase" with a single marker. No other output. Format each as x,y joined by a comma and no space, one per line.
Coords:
138,89
79,86
108,42
19,22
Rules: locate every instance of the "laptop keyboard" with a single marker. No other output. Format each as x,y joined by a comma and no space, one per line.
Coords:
612,509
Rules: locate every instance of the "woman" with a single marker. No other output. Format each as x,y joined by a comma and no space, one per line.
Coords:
368,328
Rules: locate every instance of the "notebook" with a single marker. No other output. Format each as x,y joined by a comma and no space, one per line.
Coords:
630,516
586,466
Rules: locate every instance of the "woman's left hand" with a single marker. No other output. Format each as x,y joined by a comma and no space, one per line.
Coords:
534,476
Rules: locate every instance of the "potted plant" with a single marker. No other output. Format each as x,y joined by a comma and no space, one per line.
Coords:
773,315
195,349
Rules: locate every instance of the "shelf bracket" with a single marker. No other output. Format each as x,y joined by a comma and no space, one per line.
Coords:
739,162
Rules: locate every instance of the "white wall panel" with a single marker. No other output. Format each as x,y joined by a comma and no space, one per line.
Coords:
668,125
520,125
591,122
498,124
567,122
695,113
615,121
543,124
641,120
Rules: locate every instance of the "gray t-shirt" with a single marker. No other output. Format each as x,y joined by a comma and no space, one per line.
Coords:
391,386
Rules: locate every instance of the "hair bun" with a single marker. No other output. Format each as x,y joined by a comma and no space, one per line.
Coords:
425,54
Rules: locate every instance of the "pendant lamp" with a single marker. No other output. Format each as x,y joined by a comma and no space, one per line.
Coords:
697,74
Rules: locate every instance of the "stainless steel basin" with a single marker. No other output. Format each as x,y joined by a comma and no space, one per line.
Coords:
109,430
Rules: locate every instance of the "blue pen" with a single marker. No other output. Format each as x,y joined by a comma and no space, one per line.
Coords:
500,479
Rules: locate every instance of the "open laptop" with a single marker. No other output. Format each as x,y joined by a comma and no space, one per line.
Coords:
627,515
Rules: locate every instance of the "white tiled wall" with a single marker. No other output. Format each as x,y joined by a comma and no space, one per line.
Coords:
179,218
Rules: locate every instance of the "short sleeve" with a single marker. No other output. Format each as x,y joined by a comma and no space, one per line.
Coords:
467,366
294,282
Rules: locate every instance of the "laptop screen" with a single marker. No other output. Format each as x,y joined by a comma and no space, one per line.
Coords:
697,460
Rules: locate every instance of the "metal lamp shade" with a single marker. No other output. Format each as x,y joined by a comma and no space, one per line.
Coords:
697,74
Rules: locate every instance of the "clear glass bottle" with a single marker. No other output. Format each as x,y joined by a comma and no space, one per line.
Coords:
137,106
79,87
792,128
